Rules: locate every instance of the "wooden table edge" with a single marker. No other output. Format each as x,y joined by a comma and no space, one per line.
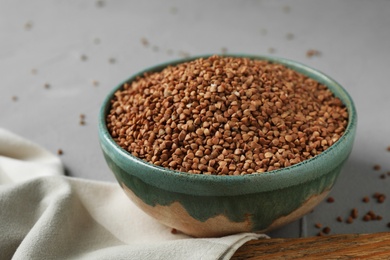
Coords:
341,246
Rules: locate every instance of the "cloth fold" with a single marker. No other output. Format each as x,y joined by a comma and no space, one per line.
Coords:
46,215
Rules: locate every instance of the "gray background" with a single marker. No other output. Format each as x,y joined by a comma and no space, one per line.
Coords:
52,37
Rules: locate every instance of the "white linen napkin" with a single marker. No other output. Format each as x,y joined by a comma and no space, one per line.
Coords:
45,215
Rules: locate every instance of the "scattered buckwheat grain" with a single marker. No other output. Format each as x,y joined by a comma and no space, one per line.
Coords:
366,218
82,119
286,9
28,26
311,53
95,83
330,200
326,230
271,50
144,42
225,116
371,214
380,197
354,213
184,54
289,36
100,3
170,52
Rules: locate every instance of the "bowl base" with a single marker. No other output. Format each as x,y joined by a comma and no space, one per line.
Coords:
176,216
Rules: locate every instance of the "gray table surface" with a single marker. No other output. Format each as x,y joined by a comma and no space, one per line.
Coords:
80,50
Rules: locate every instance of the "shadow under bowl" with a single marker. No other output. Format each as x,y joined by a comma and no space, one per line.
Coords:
212,206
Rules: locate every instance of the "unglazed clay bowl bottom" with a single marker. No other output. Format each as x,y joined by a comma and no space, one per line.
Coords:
211,206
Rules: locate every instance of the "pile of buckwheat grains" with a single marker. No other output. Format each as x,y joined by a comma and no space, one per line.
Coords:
225,116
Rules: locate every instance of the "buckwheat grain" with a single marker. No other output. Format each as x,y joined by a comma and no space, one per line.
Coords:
225,116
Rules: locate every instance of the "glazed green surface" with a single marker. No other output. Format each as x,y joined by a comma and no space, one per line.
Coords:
262,208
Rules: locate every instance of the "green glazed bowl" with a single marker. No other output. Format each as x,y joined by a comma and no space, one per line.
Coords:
209,205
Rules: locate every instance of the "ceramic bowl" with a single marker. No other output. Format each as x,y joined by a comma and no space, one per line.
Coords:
210,206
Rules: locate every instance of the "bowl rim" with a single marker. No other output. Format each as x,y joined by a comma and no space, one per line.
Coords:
290,174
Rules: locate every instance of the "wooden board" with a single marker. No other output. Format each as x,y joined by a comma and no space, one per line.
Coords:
351,246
